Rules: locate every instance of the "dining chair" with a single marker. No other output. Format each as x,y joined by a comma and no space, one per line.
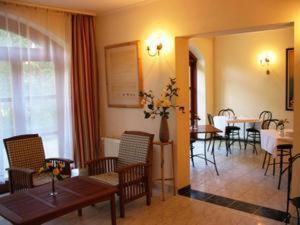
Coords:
218,137
231,131
283,151
130,171
26,156
296,200
193,137
253,133
268,124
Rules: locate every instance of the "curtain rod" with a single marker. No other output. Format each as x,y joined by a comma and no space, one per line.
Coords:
89,13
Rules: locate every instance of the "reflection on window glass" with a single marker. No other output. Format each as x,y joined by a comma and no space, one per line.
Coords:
5,80
38,79
41,115
9,39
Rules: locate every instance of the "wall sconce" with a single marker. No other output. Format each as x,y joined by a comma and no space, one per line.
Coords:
265,62
154,49
267,58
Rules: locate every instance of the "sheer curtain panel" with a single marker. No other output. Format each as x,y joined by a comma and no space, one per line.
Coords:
35,78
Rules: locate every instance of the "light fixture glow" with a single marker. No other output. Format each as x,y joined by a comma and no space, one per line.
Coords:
265,59
157,42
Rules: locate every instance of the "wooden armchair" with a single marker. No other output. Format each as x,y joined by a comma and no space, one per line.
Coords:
131,171
26,156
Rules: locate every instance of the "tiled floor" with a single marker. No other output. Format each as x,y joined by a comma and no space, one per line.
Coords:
174,211
241,177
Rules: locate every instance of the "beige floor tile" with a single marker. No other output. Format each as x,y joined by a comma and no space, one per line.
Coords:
241,177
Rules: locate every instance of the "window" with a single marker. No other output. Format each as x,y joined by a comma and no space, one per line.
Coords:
34,88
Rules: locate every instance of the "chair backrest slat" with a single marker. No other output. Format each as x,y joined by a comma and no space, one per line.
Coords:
135,147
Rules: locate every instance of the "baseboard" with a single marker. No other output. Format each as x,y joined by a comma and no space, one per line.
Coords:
184,189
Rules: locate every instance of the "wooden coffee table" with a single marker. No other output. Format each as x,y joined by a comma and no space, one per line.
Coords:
35,206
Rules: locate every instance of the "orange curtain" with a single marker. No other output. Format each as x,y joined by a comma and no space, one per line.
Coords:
85,90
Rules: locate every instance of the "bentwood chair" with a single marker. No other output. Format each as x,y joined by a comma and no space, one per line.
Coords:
268,124
283,151
193,137
296,200
216,136
253,133
231,131
131,171
26,156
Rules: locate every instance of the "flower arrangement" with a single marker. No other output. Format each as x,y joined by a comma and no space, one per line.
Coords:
54,169
281,123
160,106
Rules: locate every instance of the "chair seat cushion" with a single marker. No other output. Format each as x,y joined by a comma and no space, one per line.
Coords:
108,178
252,129
43,178
233,128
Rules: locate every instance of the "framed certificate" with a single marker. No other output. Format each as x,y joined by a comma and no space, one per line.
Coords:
123,75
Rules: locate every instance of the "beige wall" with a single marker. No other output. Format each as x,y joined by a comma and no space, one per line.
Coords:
179,18
241,82
203,49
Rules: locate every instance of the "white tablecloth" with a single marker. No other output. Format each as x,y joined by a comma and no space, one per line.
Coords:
271,138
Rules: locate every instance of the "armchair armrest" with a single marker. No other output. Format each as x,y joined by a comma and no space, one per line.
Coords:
133,173
66,162
60,160
20,178
102,165
21,170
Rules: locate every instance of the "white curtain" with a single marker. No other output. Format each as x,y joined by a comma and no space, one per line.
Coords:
34,78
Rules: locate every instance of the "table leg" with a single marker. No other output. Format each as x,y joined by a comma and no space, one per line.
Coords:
213,153
79,212
173,166
113,209
162,172
244,135
205,158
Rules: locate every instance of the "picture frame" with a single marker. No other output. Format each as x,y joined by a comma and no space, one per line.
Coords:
124,79
289,101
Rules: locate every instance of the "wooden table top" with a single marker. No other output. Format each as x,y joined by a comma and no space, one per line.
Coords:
202,129
35,206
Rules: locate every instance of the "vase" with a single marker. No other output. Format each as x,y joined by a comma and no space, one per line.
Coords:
53,193
164,130
281,132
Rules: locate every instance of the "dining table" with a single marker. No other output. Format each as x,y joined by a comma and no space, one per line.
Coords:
271,138
212,132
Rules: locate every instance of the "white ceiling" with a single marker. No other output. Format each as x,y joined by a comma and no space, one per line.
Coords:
99,6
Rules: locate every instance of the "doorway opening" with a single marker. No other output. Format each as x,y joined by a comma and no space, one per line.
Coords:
234,76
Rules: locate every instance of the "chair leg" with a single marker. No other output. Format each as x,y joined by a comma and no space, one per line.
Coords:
192,154
122,209
220,143
254,144
239,140
280,171
148,198
263,165
298,217
274,161
209,143
269,158
246,141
